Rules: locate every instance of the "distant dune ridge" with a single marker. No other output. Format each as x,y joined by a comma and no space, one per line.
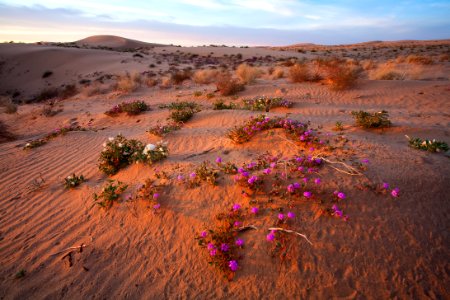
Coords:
113,41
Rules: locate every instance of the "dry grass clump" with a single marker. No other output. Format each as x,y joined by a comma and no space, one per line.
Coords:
299,73
178,77
68,91
386,71
247,74
5,135
46,94
368,64
9,106
96,89
419,60
226,85
128,83
277,73
205,76
339,75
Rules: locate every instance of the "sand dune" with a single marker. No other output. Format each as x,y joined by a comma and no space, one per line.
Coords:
114,42
390,248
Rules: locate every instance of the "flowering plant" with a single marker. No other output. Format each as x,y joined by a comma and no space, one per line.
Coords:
163,130
118,153
428,145
265,103
110,193
128,107
153,153
55,133
372,120
73,181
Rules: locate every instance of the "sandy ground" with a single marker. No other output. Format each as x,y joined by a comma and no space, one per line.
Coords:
390,247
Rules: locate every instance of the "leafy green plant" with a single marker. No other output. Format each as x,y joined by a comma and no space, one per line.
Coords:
182,115
219,104
372,120
338,126
110,193
118,153
428,145
72,181
207,173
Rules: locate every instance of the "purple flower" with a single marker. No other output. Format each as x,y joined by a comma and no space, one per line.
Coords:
291,188
193,175
290,215
273,165
237,224
252,179
395,192
385,185
204,234
245,174
218,160
302,138
318,161
299,159
211,246
254,210
270,237
311,149
241,170
251,165
338,213
180,177
341,195
156,206
301,168
155,196
224,247
307,194
305,179
213,252
239,243
233,265
296,185
267,171
365,161
317,181
280,217
236,206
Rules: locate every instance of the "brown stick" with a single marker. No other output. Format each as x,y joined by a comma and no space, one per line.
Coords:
197,154
290,231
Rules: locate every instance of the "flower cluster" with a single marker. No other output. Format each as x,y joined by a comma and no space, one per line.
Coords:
428,145
205,172
129,107
265,103
120,152
295,130
150,192
222,243
55,133
110,193
72,181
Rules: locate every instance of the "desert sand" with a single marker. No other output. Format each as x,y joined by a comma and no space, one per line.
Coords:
389,248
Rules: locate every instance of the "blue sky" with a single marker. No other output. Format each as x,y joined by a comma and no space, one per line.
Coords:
231,22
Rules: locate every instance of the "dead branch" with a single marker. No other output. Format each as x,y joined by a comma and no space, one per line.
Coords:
290,231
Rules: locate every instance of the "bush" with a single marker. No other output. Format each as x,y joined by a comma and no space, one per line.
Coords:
46,94
340,76
299,73
49,111
227,86
130,108
277,73
247,74
127,84
163,130
119,152
180,76
220,105
428,145
10,107
181,115
47,74
372,120
205,76
419,60
69,90
72,181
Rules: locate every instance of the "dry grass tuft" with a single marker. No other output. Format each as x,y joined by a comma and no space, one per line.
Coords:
339,75
9,106
299,73
227,86
277,73
128,83
419,60
5,135
205,76
247,74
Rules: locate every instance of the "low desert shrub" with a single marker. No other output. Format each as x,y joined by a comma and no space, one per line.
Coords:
277,73
205,76
49,109
120,152
247,74
68,91
127,83
110,193
228,86
46,94
8,105
265,103
299,73
72,181
372,120
49,136
47,74
179,76
129,107
163,130
181,115
428,145
339,75
419,60
206,172
219,104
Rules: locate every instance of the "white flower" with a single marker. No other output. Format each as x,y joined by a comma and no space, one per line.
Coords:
69,177
149,147
28,145
111,139
424,143
120,145
104,145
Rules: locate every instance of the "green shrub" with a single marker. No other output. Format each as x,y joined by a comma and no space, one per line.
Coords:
372,120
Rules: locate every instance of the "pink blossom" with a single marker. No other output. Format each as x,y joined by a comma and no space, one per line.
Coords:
307,194
254,210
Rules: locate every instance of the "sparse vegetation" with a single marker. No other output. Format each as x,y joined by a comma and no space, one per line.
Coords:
72,181
372,120
129,107
228,86
247,74
110,193
205,76
428,145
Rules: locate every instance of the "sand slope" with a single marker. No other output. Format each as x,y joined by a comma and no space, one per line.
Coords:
390,248
114,42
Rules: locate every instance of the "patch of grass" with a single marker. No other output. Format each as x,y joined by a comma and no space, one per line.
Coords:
110,193
219,104
228,86
21,274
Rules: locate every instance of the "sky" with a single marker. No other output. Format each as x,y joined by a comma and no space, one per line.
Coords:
229,22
